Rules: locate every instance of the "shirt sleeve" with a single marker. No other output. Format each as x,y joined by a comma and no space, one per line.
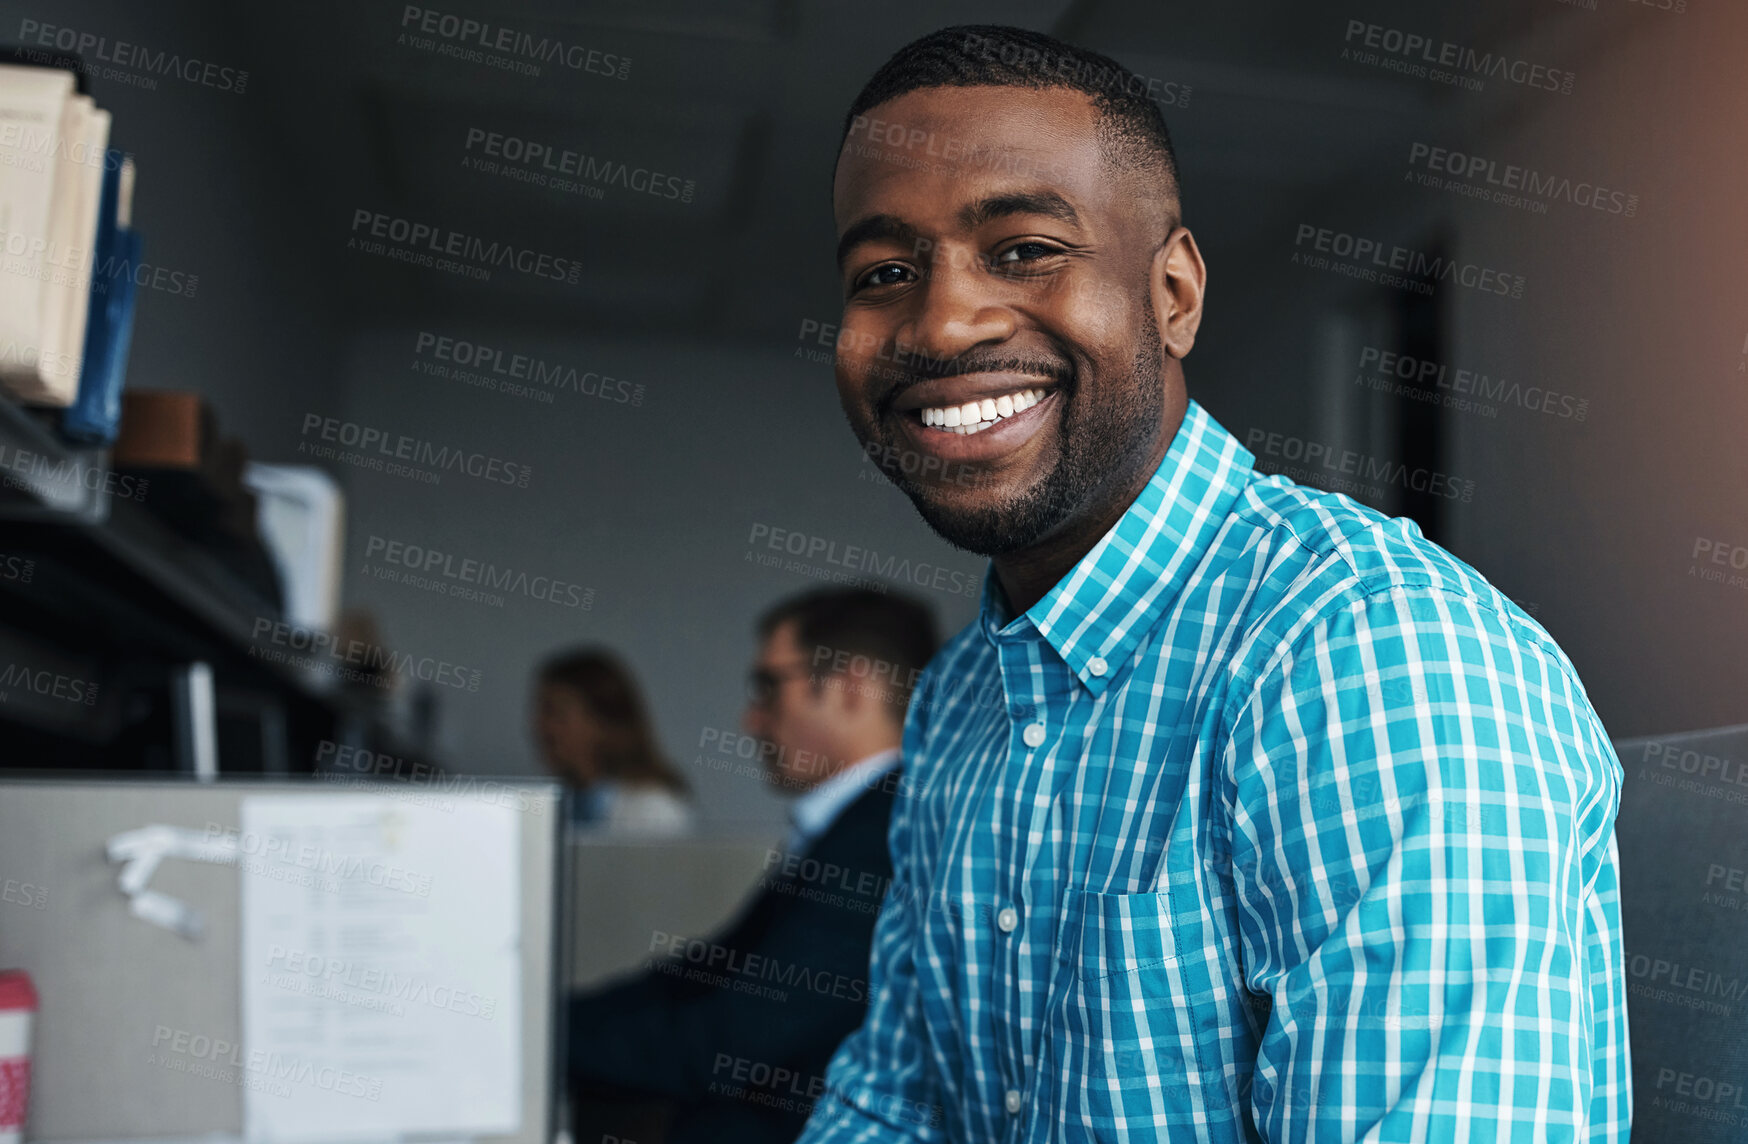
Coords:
880,1085
1422,808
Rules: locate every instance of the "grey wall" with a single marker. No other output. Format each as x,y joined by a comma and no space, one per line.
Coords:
1644,317
218,201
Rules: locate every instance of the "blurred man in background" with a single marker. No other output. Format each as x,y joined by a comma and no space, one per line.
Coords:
735,1029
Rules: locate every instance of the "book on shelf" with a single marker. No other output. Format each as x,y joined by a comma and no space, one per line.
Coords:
67,248
95,415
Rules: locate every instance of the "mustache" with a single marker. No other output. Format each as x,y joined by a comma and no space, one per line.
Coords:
919,369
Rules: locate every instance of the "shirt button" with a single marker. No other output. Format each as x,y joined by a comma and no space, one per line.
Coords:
1013,1100
1097,666
1007,919
1033,735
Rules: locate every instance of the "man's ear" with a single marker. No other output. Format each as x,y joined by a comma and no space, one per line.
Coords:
1176,283
832,689
849,696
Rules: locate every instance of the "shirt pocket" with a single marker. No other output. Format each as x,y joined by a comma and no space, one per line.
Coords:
1104,935
1122,1051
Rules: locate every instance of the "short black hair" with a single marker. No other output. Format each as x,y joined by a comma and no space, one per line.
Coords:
1132,129
881,640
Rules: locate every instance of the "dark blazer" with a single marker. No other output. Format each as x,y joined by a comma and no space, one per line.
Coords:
737,1029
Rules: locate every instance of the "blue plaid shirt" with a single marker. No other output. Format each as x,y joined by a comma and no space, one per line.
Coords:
1271,821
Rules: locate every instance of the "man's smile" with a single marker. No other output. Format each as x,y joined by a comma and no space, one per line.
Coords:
976,417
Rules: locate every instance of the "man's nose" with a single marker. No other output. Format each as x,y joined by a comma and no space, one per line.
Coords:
959,307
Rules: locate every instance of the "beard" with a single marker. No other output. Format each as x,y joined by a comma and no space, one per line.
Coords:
1100,442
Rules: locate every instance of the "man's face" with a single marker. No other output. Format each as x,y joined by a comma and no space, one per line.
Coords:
995,270
789,713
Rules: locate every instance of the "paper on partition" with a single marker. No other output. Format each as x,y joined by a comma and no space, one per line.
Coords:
381,968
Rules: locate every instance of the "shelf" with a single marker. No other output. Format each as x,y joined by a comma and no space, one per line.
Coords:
113,580
43,477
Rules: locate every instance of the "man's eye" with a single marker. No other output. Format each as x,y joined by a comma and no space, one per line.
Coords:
1023,252
888,274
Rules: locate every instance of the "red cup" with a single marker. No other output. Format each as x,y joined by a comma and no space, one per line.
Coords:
17,1011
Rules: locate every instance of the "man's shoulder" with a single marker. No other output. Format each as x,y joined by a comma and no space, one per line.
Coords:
649,808
1344,543
864,819
1323,557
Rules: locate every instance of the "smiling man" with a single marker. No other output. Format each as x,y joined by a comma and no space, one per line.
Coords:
1241,812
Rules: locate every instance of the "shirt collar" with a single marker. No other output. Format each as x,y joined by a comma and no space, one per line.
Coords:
1096,615
812,813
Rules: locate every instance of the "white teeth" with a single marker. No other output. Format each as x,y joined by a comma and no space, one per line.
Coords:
975,416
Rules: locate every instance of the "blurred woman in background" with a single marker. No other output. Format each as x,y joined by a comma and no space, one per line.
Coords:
594,734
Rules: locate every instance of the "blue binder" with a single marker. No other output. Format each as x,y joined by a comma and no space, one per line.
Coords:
95,415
